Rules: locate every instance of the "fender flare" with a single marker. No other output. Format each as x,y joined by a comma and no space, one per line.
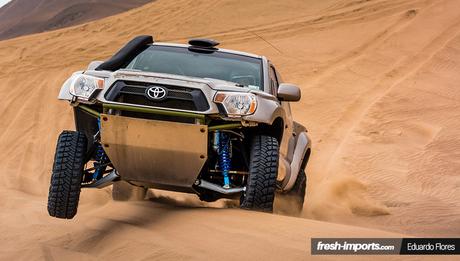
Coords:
303,145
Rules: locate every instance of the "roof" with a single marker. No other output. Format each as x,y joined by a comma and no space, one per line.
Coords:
219,49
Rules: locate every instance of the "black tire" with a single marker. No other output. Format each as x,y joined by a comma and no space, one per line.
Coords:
263,169
123,191
65,185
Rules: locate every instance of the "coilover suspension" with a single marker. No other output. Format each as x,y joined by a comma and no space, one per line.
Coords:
100,158
222,146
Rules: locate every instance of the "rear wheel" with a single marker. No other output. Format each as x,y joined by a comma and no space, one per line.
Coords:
66,178
263,169
123,191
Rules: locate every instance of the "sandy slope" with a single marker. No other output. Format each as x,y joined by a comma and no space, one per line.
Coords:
380,85
22,17
153,231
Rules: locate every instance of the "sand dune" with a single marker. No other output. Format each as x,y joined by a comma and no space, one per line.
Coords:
22,17
152,231
380,99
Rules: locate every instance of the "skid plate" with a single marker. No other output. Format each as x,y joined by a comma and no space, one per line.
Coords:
158,153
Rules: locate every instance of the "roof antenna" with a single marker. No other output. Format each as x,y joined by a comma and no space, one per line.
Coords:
263,39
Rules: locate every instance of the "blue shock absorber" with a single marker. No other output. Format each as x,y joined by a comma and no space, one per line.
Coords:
224,156
99,157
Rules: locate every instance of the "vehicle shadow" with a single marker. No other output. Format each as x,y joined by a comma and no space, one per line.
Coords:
188,200
120,224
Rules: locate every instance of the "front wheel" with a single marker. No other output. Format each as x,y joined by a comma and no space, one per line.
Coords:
66,178
263,169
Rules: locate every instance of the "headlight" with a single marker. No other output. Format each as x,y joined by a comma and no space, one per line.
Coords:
237,103
84,86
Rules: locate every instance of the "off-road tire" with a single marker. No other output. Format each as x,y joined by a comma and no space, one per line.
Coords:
123,191
66,178
263,169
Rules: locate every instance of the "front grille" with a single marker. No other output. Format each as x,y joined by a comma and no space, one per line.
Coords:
182,98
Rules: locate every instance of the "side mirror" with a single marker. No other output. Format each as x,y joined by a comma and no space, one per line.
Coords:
288,92
93,65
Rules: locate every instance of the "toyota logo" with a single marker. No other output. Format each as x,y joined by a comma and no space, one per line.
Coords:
156,93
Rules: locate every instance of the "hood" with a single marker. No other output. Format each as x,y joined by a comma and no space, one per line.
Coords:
214,84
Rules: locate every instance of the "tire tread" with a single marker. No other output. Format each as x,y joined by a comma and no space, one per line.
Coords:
66,177
261,185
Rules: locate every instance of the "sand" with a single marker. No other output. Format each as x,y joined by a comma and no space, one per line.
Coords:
23,17
380,100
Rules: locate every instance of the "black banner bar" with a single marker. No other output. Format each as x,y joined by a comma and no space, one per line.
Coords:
430,246
385,246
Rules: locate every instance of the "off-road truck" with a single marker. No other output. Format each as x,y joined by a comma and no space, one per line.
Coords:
189,118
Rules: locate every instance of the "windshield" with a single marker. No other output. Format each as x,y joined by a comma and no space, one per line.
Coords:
235,68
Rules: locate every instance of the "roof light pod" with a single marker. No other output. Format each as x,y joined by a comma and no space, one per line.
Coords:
203,45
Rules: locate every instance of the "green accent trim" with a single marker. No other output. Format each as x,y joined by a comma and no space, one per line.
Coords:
225,126
89,111
200,117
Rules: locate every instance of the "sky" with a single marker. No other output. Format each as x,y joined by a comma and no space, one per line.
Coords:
3,2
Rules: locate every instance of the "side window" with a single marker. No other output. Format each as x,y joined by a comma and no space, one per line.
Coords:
273,80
